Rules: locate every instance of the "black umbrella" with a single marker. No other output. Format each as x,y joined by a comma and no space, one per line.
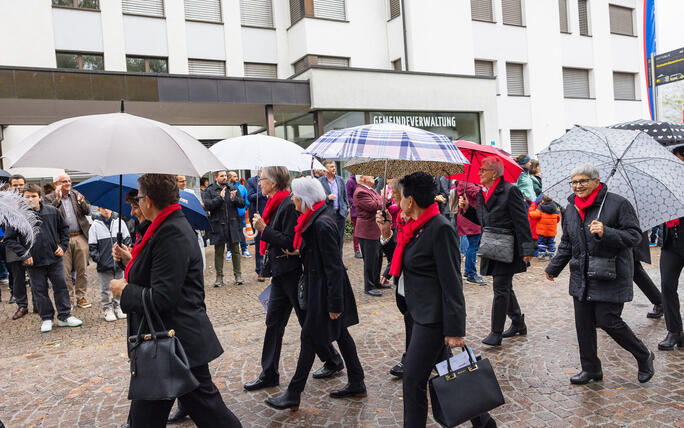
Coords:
669,134
4,175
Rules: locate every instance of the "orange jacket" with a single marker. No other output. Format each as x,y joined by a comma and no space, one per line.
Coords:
547,222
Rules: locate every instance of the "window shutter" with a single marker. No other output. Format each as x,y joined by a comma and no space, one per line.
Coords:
265,71
202,66
515,79
481,10
575,83
484,68
621,20
395,8
296,11
519,142
563,15
143,7
623,86
334,61
331,9
583,17
301,64
203,10
511,11
258,13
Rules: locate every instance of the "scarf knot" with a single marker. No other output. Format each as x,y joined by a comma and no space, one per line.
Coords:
303,221
406,233
271,207
583,203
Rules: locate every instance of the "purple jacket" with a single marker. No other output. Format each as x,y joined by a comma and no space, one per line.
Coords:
463,225
351,187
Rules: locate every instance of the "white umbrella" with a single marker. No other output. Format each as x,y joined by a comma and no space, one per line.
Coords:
258,151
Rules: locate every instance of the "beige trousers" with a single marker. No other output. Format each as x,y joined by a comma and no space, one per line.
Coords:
76,258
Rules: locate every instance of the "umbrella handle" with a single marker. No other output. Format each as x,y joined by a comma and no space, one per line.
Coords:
119,235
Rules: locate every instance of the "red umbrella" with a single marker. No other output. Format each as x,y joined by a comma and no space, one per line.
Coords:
476,153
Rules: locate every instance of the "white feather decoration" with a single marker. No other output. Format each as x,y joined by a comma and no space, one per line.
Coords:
17,214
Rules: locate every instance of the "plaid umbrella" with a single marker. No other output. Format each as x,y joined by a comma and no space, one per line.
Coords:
669,134
634,164
400,168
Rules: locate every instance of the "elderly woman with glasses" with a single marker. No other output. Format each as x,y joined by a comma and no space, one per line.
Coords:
500,206
600,229
324,294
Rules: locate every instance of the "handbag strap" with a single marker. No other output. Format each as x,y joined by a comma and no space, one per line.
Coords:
465,349
154,312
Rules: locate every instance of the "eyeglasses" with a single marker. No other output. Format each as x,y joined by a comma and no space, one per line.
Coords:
139,198
582,182
485,169
65,181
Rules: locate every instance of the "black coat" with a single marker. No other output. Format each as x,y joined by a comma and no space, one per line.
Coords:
327,283
254,190
171,264
621,234
279,234
224,220
53,233
670,240
505,209
642,252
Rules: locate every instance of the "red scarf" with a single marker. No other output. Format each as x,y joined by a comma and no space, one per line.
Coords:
150,232
406,233
490,191
672,223
271,206
302,221
583,203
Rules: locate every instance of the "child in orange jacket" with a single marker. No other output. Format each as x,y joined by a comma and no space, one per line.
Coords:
547,216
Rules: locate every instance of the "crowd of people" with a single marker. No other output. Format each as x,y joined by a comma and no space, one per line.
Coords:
420,224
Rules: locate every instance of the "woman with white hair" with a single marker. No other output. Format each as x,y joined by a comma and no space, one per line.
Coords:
500,211
325,294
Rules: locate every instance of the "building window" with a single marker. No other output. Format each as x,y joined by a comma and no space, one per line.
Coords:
563,16
624,86
511,12
208,67
79,4
310,60
583,10
203,10
621,20
576,83
396,65
256,13
484,68
327,9
297,11
143,7
515,79
264,71
482,10
395,8
519,142
80,61
138,64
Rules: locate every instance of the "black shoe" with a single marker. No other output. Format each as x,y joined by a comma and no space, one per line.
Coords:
219,281
646,370
326,372
375,293
671,340
494,339
350,390
476,280
398,370
516,328
288,400
657,312
583,378
357,254
179,415
261,384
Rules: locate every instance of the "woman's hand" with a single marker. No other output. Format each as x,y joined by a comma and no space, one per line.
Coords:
527,259
596,227
453,342
117,286
291,253
384,225
549,276
334,316
121,254
258,223
463,203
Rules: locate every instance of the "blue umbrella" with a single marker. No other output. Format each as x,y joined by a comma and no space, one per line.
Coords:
104,192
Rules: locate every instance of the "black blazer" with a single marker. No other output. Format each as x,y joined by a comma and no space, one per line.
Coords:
669,241
279,234
505,209
171,264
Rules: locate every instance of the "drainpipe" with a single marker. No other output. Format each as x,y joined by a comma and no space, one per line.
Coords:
403,26
2,128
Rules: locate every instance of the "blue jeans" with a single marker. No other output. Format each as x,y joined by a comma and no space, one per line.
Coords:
547,244
243,241
469,246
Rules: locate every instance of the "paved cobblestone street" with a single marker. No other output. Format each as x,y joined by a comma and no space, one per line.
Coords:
78,377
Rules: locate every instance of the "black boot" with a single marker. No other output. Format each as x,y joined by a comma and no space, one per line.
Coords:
583,377
646,369
494,339
289,400
398,370
657,312
517,327
671,340
179,415
350,390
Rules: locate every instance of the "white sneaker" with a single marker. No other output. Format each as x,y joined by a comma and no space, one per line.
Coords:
119,313
46,326
72,321
109,315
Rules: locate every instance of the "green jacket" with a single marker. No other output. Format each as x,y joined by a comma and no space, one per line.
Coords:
526,187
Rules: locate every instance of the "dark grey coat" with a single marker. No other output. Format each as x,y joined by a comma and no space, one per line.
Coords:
223,215
621,234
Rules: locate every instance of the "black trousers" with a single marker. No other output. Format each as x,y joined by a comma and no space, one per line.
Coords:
280,304
504,303
646,285
341,223
671,264
372,262
607,316
39,276
408,322
307,354
204,404
17,273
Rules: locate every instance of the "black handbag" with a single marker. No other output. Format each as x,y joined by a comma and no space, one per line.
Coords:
463,394
601,268
301,291
266,270
159,366
497,244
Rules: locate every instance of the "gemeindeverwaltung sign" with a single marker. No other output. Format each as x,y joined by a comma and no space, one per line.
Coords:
418,120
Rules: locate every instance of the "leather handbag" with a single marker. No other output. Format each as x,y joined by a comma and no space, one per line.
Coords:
301,291
266,270
601,268
463,394
159,366
497,244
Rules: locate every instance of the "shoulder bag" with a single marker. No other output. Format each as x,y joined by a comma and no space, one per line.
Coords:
497,244
266,270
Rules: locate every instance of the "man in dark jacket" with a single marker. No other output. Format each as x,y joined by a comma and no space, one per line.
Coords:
258,200
44,261
222,200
